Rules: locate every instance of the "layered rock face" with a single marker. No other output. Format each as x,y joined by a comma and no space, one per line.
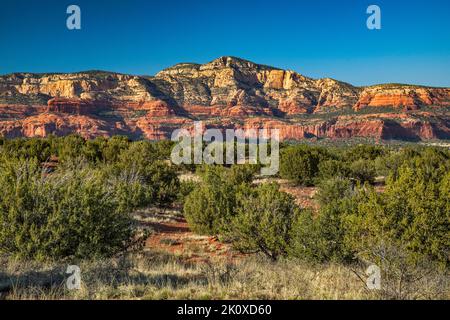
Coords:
406,97
225,93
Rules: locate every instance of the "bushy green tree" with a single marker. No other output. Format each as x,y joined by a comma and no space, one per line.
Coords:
334,189
319,237
69,147
363,171
393,159
300,164
28,148
263,221
93,149
333,168
65,214
210,206
207,209
141,154
243,173
411,214
127,186
362,151
162,179
186,187
114,148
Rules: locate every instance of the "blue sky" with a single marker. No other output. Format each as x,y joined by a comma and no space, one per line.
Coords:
316,38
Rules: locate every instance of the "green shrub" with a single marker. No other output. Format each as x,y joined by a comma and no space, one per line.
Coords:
114,147
210,206
333,189
26,148
262,222
320,237
159,183
128,188
411,218
65,214
69,147
162,179
300,164
143,153
390,162
206,209
364,152
93,149
333,168
363,171
412,214
242,173
430,158
186,187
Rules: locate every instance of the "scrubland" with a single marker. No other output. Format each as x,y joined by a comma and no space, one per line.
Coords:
139,227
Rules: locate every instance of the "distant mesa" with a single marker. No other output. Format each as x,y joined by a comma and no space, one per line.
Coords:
226,92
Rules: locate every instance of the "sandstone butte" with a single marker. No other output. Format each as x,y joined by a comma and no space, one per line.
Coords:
225,93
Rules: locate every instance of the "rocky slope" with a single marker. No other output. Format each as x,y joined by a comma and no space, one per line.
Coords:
225,93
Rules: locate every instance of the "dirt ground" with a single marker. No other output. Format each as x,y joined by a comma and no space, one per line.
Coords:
171,234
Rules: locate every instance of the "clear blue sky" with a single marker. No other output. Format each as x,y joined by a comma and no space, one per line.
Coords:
316,38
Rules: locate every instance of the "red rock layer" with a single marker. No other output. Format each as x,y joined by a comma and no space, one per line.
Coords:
408,99
76,106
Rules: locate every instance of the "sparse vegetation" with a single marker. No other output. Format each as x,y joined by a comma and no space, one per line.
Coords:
153,275
387,206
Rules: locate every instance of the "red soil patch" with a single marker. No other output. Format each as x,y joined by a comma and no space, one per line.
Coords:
175,237
304,196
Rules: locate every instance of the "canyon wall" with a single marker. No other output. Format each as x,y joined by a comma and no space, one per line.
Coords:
225,93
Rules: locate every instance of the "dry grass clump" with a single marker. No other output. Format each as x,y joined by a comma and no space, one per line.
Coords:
157,276
152,275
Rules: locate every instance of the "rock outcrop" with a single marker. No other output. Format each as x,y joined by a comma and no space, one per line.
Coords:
404,97
76,106
225,93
